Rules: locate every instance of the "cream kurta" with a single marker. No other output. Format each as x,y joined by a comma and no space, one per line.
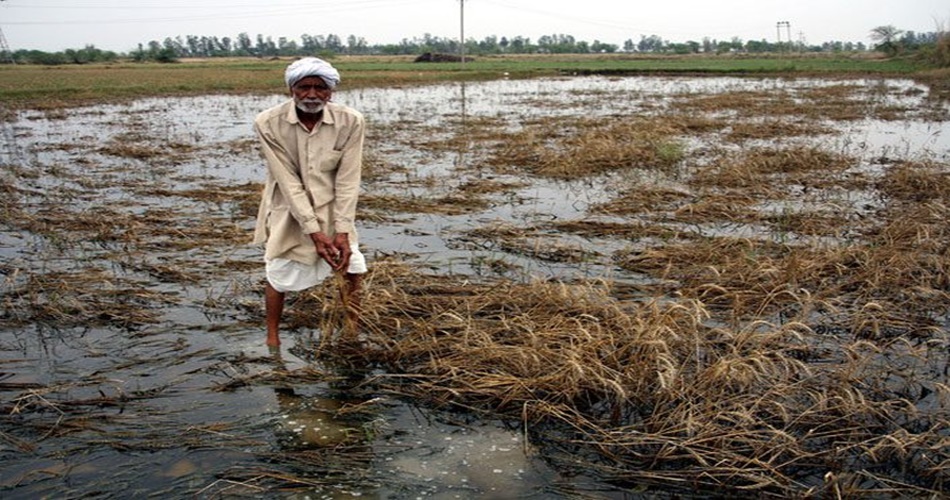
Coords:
313,179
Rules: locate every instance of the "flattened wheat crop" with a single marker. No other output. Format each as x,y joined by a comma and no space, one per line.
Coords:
652,392
771,319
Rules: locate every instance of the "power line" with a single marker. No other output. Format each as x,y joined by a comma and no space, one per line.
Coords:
187,5
335,7
618,24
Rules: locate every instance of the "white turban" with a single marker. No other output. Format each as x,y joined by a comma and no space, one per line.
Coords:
311,66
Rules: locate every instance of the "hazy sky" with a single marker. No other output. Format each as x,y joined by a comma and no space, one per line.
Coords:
120,25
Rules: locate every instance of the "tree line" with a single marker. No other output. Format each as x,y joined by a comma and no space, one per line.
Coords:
891,40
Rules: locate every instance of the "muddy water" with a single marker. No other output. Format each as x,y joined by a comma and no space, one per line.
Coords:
156,408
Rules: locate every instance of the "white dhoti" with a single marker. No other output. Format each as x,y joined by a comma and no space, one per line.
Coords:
291,276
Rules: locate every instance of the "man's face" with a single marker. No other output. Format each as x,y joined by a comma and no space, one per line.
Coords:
311,94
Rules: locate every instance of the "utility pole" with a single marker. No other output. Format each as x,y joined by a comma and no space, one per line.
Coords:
461,30
778,29
5,51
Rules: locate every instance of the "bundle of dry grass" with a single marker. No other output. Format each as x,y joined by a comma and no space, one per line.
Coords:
906,286
143,246
644,199
84,298
769,171
570,150
772,128
915,182
841,102
529,242
657,392
447,205
740,103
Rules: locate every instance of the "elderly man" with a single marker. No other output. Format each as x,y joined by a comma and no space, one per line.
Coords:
313,149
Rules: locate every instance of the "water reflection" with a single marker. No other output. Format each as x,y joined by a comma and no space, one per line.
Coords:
462,143
327,419
378,447
403,451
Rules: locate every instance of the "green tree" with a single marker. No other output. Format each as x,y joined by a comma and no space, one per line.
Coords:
651,43
887,37
599,46
334,43
758,46
244,45
520,44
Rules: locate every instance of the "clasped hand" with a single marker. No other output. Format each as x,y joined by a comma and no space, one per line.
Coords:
335,252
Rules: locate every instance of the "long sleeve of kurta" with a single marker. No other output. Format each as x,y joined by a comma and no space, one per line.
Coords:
347,183
313,179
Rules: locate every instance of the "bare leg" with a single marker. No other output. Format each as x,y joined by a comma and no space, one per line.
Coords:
274,308
350,295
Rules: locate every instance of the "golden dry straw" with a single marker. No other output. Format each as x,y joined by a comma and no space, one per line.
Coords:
655,391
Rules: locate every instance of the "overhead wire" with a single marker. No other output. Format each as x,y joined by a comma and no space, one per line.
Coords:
270,11
187,4
627,27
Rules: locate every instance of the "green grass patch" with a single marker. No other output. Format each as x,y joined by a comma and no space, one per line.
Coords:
43,86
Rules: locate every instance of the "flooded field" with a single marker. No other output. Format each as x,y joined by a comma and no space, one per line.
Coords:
580,287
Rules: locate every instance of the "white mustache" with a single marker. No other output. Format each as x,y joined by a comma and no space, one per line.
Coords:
311,105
